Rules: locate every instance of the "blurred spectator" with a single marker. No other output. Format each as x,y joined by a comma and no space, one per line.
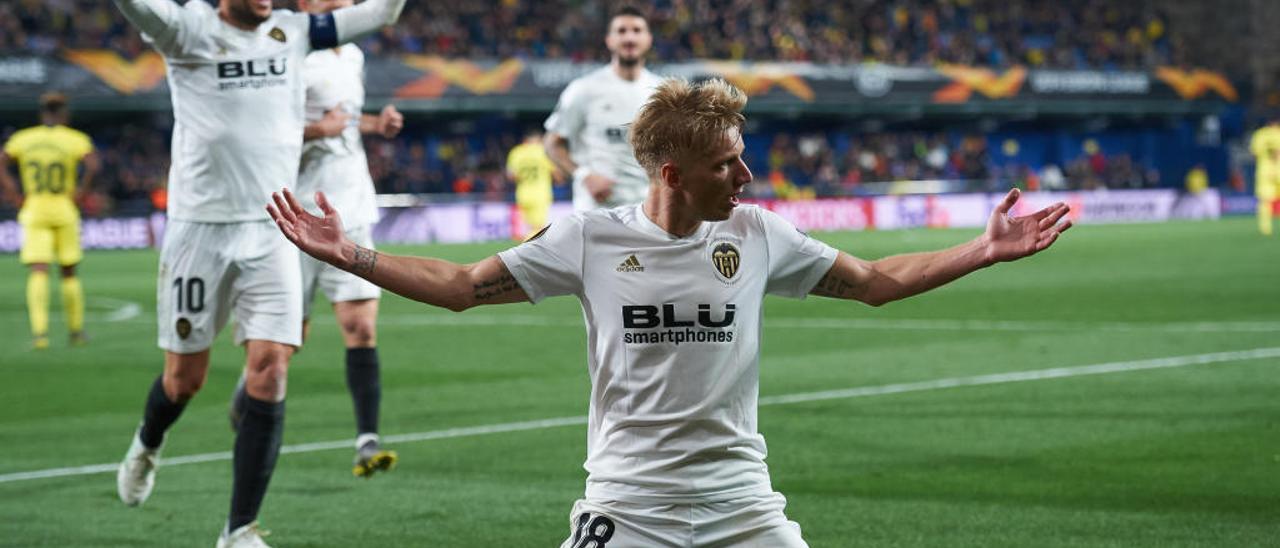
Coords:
1195,203
1197,179
1051,178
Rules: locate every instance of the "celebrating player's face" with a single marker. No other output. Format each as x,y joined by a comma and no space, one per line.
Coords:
628,39
714,181
249,12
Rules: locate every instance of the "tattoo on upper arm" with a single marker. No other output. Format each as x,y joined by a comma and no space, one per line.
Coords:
363,261
495,287
832,285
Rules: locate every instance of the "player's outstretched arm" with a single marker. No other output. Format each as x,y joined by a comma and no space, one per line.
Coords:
898,277
356,22
432,281
156,18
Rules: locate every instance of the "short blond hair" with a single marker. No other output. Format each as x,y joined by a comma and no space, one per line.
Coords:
683,119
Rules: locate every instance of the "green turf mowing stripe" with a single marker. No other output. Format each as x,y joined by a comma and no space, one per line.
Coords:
979,380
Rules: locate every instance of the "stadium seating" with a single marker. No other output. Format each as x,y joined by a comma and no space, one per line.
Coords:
1091,34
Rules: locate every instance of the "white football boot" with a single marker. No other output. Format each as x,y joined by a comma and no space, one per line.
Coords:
137,473
247,536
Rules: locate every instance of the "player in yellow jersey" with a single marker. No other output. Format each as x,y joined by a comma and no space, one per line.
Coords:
1265,146
47,158
531,169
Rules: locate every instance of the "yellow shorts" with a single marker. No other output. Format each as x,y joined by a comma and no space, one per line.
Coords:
43,243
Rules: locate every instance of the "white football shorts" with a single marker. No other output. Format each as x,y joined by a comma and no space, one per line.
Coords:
749,522
209,271
337,284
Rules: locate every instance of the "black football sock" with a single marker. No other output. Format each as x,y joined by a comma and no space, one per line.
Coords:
257,446
159,414
365,386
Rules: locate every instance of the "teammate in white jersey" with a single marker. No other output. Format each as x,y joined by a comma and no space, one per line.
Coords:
587,132
333,161
237,92
672,291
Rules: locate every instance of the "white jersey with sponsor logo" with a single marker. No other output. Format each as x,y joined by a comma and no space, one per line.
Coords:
237,101
594,114
673,343
337,165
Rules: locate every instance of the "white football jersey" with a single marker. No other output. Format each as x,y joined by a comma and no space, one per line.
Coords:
594,114
238,109
673,343
337,165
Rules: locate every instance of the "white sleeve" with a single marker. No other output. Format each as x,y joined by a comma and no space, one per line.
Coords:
550,263
162,22
365,18
796,261
568,117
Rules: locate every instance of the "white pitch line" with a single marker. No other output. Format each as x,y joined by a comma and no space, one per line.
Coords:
121,310
1023,376
979,380
1021,326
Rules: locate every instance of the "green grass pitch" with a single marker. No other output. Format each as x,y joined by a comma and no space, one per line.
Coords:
1185,455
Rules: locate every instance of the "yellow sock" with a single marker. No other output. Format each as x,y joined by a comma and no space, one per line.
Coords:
38,302
73,303
1264,217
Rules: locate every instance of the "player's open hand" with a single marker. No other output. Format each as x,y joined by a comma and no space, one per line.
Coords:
390,121
320,237
1011,238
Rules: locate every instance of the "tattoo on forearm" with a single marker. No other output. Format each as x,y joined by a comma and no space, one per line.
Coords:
833,286
363,261
495,287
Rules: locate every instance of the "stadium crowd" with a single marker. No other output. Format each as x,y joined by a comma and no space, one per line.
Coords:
464,160
1095,34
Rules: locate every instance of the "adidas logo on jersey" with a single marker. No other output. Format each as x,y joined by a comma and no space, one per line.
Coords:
632,264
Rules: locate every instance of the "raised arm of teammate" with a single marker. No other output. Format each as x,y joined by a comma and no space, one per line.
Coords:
363,19
431,281
155,18
900,276
160,19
